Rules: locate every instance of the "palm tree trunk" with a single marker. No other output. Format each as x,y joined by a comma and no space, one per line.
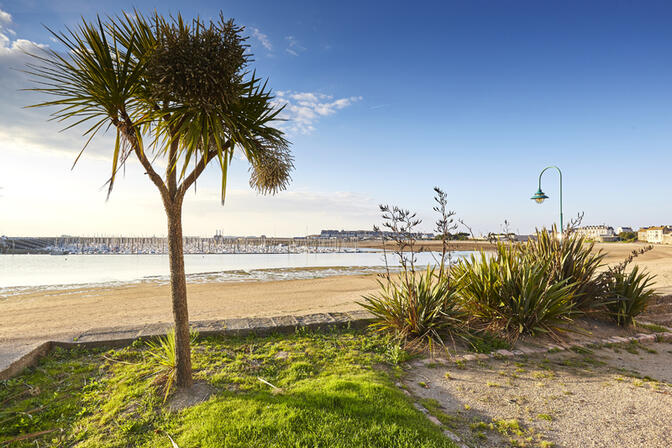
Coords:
178,292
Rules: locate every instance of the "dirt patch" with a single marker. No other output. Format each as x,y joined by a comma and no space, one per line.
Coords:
185,398
617,396
659,311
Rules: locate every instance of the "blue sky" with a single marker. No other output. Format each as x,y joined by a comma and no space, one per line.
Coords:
384,103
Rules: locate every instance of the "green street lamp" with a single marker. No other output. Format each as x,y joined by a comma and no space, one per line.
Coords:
540,196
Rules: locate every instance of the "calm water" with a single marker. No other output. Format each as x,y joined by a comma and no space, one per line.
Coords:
18,272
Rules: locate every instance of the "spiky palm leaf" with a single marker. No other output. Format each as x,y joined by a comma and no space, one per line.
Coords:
107,78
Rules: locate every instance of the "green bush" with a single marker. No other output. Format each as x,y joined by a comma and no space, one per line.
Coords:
570,259
628,295
417,308
513,293
627,236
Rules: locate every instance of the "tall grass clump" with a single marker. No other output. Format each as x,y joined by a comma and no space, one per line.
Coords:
419,307
630,295
419,311
162,352
510,293
626,294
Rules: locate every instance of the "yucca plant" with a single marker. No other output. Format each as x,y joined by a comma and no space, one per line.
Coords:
628,295
478,282
163,352
512,293
423,311
571,259
533,303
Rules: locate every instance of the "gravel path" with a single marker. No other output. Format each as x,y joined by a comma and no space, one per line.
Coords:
619,396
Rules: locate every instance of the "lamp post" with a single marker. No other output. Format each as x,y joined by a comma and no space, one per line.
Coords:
540,196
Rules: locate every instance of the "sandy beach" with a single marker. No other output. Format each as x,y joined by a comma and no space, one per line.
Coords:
35,314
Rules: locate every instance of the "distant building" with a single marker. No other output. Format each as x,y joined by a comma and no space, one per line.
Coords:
365,234
620,230
655,234
597,233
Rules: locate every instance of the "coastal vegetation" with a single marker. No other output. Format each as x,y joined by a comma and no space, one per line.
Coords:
537,287
180,96
419,307
334,389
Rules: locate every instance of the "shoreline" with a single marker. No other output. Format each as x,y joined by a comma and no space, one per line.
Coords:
216,277
38,313
34,316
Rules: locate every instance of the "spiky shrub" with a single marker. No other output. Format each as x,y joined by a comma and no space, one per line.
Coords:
571,259
629,294
162,352
421,311
511,293
478,281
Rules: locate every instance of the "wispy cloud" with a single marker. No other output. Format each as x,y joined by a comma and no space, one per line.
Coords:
304,109
293,46
262,38
5,17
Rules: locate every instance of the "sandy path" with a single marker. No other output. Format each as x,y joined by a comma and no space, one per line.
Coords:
607,398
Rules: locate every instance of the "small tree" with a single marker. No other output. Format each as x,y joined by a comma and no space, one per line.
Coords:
172,90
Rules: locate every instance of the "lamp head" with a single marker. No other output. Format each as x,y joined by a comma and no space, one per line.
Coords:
539,196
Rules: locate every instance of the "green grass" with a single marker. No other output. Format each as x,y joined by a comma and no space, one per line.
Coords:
487,342
337,391
652,327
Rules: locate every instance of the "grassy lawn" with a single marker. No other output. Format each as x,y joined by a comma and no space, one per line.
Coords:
337,390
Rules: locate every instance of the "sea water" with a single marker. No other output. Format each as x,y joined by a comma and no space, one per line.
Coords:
21,272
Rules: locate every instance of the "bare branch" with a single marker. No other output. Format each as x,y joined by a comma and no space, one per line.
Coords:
198,170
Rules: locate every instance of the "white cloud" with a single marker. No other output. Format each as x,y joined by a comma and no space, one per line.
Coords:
293,46
262,38
28,129
17,46
7,45
5,17
304,109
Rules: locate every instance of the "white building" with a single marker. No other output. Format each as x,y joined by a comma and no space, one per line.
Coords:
655,234
597,233
620,230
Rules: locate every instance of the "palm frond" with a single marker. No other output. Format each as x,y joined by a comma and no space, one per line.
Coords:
169,80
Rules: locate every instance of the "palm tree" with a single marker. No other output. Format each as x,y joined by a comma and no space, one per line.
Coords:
170,90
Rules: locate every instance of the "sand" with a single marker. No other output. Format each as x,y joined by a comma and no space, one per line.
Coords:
35,314
40,314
